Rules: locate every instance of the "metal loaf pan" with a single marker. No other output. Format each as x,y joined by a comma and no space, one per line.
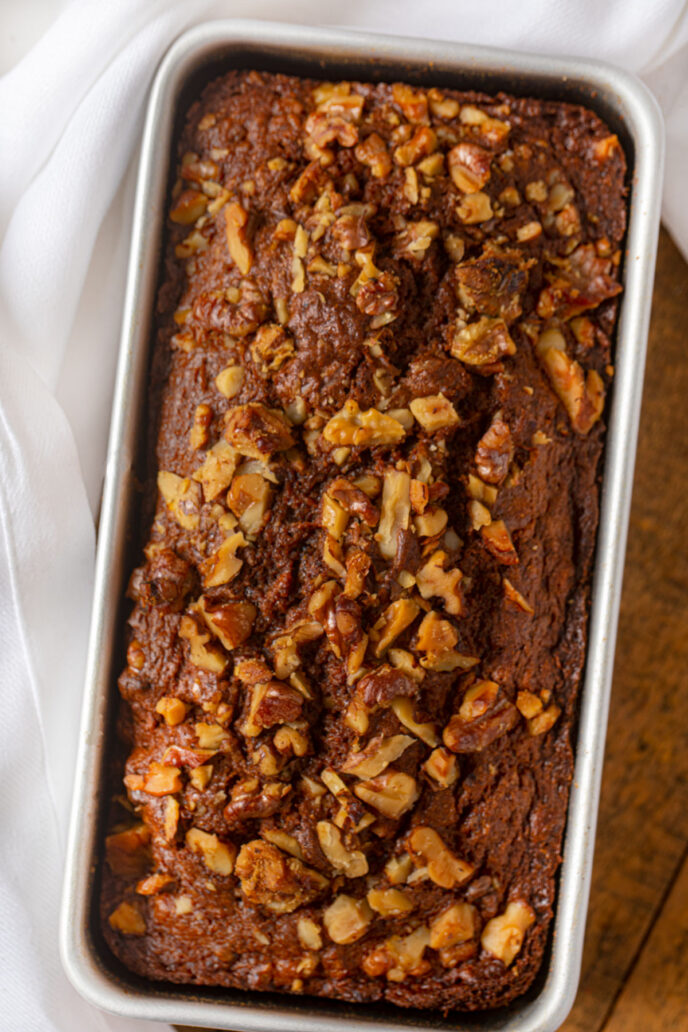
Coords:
200,54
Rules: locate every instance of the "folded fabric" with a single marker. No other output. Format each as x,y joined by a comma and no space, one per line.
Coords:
72,116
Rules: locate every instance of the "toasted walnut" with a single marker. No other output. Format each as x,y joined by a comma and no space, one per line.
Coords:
480,515
353,500
393,621
396,510
210,736
347,919
161,780
236,219
127,919
469,167
398,868
392,793
399,956
483,717
434,412
373,153
431,523
223,565
128,852
171,819
182,498
515,596
323,127
413,103
232,622
216,472
218,856
416,237
189,207
289,741
503,935
171,710
494,452
581,396
309,934
229,381
497,540
422,143
435,635
272,880
403,710
454,925
379,687
248,803
204,653
390,902
542,722
198,435
352,863
482,343
154,883
475,208
200,776
271,348
433,581
442,767
376,756
428,850
528,704
272,702
249,499
256,431
369,428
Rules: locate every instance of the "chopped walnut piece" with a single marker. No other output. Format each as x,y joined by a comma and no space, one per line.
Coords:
161,780
287,843
429,850
503,935
413,103
210,736
497,540
528,704
484,716
200,776
435,635
231,622
182,497
390,902
272,702
189,207
391,793
257,431
434,412
454,925
236,219
369,428
475,208
482,343
347,919
127,919
494,452
309,934
403,710
379,687
198,435
422,143
442,767
272,347
431,523
218,856
373,152
154,883
416,237
351,863
249,499
396,509
515,596
230,380
376,756
216,472
398,868
581,396
172,710
485,494
393,621
542,722
128,852
272,880
434,581
353,500
399,956
171,819
223,565
469,167
204,653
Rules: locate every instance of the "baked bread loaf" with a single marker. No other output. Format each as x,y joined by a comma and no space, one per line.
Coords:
360,620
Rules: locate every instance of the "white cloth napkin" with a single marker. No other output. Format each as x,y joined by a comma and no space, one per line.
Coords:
71,117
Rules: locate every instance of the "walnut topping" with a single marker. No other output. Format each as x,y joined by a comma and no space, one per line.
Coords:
351,863
204,653
390,902
483,493
161,780
392,793
422,143
232,622
431,523
416,237
484,715
154,883
494,452
434,581
398,868
127,919
272,702
396,509
475,208
182,498
230,380
236,219
375,291
210,736
498,541
582,396
216,472
442,767
277,882
503,935
482,343
528,704
172,710
469,167
403,710
428,850
369,428
395,619
376,756
373,152
257,431
128,853
413,103
289,741
542,722
171,819
249,499
515,596
200,777
198,435
434,412
379,687
189,207
454,925
354,501
223,565
217,856
271,348
435,635
309,934
347,919
399,956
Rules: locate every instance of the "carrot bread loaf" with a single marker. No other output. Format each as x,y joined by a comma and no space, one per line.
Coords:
360,620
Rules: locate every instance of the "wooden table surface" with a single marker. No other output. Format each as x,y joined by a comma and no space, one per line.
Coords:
635,960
